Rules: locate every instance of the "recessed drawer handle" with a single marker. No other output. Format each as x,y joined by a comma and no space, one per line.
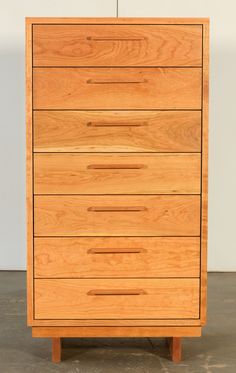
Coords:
113,39
97,124
94,81
117,292
116,166
116,251
117,209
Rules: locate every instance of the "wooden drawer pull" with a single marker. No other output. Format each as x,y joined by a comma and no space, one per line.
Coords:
97,124
117,292
116,251
92,81
117,209
116,166
113,39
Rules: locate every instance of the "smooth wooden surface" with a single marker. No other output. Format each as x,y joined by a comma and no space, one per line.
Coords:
112,173
204,212
115,331
56,350
29,174
85,257
117,20
84,131
118,322
151,215
117,88
121,45
109,299
117,131
175,345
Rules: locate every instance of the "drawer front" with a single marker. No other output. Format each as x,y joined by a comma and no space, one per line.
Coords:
116,173
116,299
85,257
117,131
117,45
117,215
115,88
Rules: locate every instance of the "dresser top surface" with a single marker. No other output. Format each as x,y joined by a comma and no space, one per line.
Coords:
114,20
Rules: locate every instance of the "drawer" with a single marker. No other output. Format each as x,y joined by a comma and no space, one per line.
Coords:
116,173
84,257
117,131
116,299
117,88
117,215
117,45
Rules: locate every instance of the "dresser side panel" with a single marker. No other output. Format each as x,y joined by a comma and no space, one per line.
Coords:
29,173
204,212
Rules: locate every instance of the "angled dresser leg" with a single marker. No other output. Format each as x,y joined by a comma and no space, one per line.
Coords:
175,348
56,350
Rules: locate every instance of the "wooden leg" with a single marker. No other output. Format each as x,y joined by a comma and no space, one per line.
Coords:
56,350
175,348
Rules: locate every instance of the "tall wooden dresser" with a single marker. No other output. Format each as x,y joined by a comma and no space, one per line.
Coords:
117,126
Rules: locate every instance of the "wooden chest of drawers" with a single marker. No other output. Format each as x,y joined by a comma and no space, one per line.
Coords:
117,127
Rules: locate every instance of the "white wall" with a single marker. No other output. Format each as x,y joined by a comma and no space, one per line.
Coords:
222,185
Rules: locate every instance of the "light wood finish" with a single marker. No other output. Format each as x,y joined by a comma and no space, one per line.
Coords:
119,20
117,174
116,257
99,298
121,322
56,350
141,96
204,192
175,345
117,215
117,88
29,174
120,45
115,331
118,322
117,131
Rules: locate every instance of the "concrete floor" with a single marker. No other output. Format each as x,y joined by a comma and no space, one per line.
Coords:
215,351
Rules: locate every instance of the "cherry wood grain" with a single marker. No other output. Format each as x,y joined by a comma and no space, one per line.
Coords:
117,131
118,322
115,331
118,45
83,257
157,298
117,88
175,346
146,90
151,215
116,173
204,211
56,350
29,173
119,20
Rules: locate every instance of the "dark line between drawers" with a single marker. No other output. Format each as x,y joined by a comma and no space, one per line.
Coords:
116,67
35,236
116,278
114,109
58,320
111,152
117,24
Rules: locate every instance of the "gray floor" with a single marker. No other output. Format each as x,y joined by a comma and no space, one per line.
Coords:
215,351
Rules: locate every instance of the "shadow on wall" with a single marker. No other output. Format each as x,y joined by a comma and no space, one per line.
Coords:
12,160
